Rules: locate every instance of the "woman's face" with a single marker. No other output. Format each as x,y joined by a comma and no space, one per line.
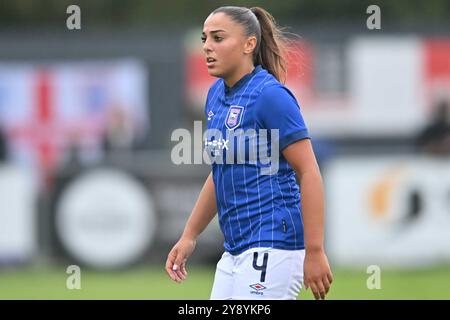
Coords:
224,44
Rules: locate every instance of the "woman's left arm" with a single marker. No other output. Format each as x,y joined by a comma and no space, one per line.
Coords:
317,273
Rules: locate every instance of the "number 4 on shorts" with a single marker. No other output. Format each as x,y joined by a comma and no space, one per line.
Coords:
263,267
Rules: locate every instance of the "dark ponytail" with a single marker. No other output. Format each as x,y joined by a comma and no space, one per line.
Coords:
271,46
272,49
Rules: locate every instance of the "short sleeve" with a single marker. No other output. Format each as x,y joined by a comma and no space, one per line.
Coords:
277,108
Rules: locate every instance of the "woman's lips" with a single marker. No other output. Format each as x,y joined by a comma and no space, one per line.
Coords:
210,62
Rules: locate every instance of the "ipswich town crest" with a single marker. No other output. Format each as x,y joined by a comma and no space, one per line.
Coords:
234,117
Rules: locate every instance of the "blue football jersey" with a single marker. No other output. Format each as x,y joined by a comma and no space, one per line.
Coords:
248,125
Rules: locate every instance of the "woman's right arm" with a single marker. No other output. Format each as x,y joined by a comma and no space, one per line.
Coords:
203,212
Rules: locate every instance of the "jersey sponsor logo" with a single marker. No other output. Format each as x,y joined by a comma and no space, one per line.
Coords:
215,146
234,117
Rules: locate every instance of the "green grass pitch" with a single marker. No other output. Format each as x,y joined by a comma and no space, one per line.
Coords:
152,283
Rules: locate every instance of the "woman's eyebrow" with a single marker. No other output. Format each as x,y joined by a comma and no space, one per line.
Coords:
214,31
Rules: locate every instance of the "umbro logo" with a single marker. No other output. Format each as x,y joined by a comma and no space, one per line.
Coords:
257,286
257,289
210,114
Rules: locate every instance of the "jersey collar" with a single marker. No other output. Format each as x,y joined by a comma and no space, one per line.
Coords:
242,81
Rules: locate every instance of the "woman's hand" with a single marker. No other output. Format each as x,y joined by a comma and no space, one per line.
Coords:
317,273
176,260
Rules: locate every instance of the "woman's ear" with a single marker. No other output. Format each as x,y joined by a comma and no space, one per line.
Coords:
250,45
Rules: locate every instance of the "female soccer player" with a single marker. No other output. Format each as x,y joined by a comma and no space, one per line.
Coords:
273,237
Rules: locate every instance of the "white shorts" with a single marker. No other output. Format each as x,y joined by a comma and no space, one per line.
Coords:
259,273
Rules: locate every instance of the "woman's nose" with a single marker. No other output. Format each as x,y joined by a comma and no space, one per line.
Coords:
206,47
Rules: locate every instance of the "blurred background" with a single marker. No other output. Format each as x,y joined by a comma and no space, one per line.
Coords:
86,120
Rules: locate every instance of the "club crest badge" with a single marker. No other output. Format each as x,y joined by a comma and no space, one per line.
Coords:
234,117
